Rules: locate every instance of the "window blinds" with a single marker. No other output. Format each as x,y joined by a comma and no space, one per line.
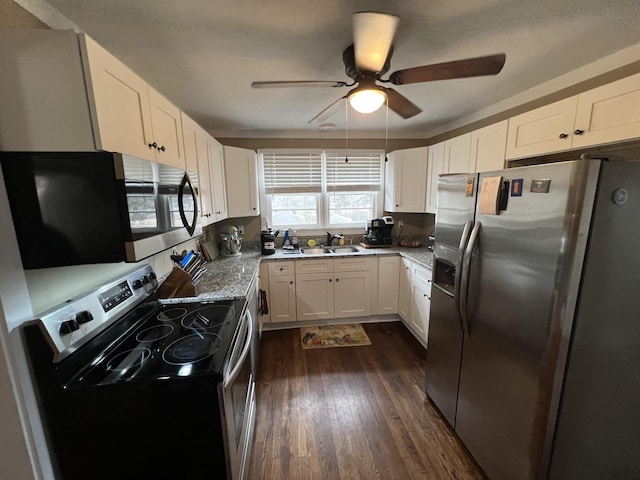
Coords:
362,171
292,172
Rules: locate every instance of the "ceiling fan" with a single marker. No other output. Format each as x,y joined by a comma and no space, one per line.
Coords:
369,58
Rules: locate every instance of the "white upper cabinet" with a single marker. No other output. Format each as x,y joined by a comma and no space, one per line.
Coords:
241,170
457,153
217,178
130,116
543,130
119,102
73,95
606,114
406,180
488,147
167,130
436,168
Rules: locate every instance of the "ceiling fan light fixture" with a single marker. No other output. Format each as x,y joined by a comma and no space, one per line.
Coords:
367,100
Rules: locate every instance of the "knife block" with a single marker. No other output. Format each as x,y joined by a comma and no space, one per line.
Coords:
177,285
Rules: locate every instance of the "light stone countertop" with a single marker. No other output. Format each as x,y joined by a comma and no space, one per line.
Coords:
229,278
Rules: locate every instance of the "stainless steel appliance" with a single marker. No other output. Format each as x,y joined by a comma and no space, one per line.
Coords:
230,241
132,388
379,231
533,341
72,208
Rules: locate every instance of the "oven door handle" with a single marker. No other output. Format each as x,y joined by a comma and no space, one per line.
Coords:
229,379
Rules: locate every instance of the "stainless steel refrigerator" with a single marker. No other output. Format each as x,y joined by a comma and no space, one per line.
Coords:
534,336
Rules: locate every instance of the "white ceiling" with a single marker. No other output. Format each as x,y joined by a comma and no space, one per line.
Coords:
204,54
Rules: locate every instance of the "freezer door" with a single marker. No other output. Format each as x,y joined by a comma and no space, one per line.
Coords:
520,271
598,429
456,204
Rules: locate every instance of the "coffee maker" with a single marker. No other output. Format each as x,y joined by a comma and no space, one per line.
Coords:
379,231
230,241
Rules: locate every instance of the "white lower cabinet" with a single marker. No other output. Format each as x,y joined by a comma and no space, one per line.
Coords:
388,276
348,287
404,290
282,292
420,302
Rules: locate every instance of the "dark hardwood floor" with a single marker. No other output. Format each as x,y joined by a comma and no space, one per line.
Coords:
350,413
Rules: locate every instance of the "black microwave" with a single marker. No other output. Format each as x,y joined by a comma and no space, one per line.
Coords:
75,208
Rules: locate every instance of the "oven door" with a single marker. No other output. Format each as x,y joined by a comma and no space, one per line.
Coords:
239,399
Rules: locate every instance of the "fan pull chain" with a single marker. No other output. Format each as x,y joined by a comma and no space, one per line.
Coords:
346,132
386,131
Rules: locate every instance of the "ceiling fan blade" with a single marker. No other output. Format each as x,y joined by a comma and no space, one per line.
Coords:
372,38
401,104
327,112
298,83
470,67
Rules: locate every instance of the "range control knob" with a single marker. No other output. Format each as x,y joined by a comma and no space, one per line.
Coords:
68,327
137,284
84,316
152,275
145,279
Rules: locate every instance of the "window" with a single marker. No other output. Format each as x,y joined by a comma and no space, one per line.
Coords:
321,189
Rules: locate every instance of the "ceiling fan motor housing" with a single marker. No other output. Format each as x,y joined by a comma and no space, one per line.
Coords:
349,60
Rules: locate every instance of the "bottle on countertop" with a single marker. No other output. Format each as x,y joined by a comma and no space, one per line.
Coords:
287,243
294,240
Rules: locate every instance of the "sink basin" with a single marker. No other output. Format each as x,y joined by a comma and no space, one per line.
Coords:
314,251
339,250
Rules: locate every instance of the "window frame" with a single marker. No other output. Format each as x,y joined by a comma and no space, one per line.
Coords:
323,196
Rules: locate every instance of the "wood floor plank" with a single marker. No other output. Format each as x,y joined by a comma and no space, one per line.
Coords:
351,413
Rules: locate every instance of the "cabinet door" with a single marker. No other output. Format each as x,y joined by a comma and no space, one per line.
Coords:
543,130
610,113
488,147
189,139
218,183
263,284
119,102
314,296
388,276
404,291
407,181
241,170
457,152
352,296
167,130
204,177
421,303
282,298
436,168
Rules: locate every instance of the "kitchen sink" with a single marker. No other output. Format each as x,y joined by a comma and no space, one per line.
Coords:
315,251
339,250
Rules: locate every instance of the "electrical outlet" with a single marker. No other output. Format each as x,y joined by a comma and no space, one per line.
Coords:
240,229
400,224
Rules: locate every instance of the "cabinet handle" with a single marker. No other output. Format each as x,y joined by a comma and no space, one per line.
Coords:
579,132
162,149
330,280
153,145
281,269
218,213
563,136
291,282
254,208
397,205
337,279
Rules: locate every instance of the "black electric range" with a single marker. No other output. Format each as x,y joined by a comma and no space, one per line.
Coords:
134,388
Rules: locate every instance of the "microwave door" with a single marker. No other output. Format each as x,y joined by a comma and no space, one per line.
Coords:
188,204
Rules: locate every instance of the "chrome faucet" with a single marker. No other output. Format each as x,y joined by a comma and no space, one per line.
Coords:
331,238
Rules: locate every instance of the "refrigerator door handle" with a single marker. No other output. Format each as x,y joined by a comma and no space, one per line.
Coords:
457,281
464,282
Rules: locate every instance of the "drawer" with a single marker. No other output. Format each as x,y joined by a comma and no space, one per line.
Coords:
421,273
355,264
281,268
314,266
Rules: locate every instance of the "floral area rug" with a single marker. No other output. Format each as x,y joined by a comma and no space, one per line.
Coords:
334,336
